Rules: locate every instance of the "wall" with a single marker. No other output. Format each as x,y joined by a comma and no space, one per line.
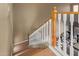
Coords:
28,17
24,16
5,29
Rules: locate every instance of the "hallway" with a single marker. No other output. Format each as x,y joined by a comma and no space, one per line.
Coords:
29,29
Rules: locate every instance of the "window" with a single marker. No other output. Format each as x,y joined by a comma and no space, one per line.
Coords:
75,8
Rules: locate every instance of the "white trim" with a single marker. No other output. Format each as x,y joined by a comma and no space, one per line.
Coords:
20,53
20,42
55,51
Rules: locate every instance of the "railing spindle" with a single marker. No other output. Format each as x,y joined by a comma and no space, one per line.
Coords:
78,18
78,23
59,40
42,33
71,45
50,32
64,42
47,31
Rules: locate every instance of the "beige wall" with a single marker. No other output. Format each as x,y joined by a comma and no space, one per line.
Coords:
5,29
28,17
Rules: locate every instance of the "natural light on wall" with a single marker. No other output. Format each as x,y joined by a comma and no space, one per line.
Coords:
75,8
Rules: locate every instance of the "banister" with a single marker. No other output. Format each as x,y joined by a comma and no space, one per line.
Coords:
54,16
66,12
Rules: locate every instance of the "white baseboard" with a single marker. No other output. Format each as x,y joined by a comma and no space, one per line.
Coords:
55,51
18,54
20,42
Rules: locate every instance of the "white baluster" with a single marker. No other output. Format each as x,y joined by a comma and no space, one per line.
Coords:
64,43
78,18
47,31
78,23
50,33
59,40
78,53
44,33
71,45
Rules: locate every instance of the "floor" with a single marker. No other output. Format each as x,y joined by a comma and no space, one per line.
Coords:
37,52
20,47
23,50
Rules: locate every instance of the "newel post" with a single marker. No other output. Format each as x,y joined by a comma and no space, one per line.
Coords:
54,16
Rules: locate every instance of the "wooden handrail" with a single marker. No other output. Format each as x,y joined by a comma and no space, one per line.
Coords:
70,12
66,12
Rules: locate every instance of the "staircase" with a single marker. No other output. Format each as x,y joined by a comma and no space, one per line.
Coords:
41,37
38,43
